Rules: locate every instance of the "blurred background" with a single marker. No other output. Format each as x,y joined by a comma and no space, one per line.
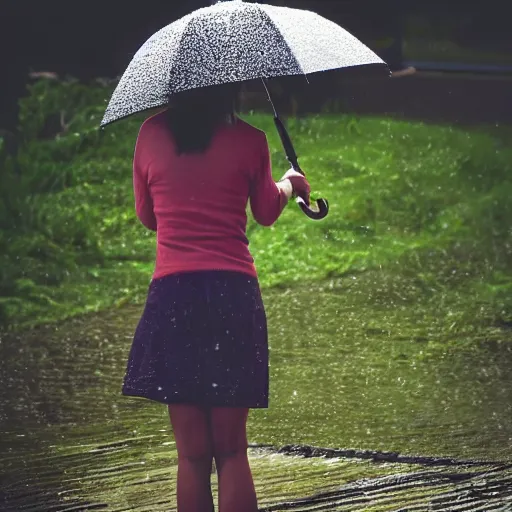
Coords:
390,322
88,40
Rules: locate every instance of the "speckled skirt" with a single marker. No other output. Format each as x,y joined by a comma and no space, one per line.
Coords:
202,339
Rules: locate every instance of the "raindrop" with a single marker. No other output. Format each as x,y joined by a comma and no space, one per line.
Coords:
160,388
217,347
214,384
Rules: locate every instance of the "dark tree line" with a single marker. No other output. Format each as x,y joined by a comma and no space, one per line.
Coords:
92,39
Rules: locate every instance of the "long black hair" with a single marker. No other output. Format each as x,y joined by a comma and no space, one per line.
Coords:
194,116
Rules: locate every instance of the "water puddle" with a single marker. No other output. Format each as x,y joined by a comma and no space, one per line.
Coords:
346,373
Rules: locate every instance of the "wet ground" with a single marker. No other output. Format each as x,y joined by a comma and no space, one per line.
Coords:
411,407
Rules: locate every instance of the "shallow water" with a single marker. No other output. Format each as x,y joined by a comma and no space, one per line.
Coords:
346,372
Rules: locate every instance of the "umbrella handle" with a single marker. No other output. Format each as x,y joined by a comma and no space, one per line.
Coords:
322,206
318,213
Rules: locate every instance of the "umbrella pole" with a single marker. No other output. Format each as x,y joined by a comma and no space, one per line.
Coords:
322,206
285,138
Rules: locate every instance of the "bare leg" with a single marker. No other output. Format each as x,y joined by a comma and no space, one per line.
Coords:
195,454
236,486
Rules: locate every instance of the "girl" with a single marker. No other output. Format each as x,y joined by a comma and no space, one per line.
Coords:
201,344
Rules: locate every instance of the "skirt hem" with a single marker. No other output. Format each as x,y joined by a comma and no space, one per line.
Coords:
137,393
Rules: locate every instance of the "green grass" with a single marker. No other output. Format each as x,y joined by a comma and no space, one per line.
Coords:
429,205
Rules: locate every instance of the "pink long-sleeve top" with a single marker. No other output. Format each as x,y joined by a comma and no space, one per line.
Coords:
197,203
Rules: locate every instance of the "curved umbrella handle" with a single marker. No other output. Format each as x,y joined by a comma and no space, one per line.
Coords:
318,213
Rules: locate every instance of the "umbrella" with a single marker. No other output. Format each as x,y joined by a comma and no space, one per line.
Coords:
236,41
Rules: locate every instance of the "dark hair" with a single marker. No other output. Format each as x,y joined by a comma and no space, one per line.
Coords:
194,116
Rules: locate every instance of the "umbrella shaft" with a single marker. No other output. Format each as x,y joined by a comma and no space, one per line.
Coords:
291,155
287,144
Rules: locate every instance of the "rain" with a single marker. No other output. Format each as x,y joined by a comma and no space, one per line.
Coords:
368,333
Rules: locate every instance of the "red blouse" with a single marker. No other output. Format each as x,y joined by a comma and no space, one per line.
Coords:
197,203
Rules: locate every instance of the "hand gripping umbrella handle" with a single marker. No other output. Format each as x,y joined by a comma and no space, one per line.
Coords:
322,206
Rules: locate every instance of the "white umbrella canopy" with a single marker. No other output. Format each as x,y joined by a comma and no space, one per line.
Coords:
233,41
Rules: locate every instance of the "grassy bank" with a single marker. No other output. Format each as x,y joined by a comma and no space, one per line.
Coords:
427,205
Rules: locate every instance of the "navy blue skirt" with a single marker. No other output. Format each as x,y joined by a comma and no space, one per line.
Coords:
202,339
